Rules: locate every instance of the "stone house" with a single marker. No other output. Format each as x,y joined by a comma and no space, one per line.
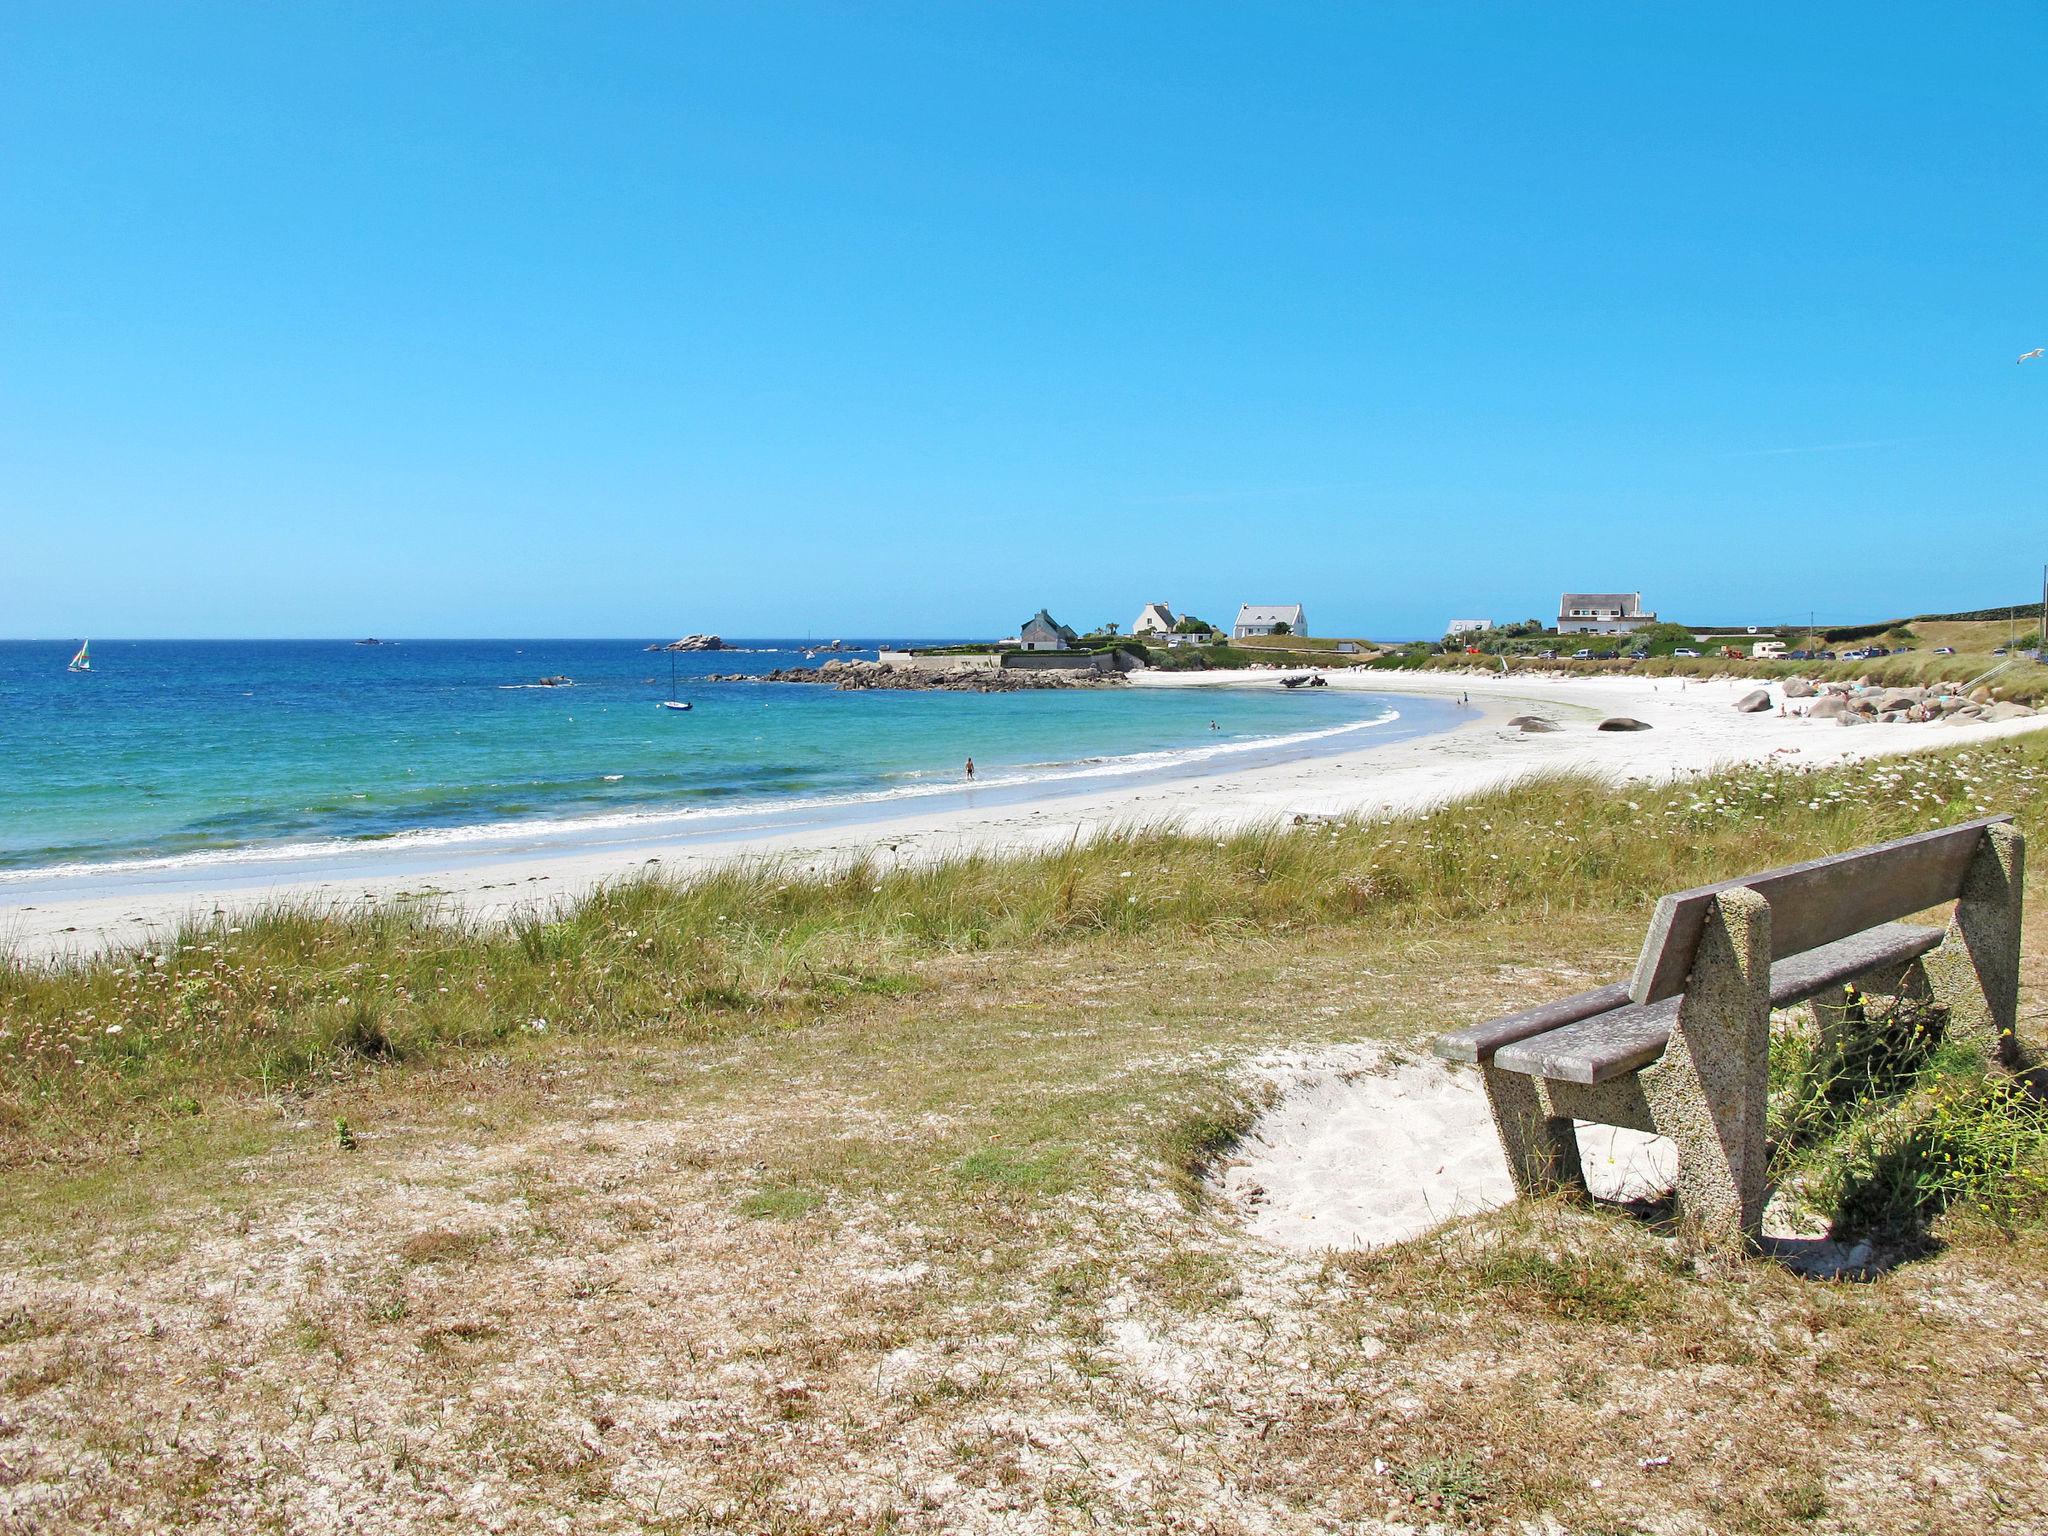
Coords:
1043,632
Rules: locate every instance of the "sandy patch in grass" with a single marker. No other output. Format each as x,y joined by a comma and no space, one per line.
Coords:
1365,1146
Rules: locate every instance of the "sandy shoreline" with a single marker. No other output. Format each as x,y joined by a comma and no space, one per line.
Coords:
1694,727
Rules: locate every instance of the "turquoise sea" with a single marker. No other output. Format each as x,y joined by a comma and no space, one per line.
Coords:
178,752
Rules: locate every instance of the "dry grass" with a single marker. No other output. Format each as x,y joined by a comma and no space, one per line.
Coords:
844,1210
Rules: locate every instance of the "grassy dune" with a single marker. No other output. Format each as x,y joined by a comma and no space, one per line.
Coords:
874,1204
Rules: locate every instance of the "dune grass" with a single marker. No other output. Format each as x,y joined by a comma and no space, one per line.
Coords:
280,1000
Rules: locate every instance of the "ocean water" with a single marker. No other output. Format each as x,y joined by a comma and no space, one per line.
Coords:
177,752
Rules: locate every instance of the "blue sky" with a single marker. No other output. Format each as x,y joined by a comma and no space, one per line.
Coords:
513,318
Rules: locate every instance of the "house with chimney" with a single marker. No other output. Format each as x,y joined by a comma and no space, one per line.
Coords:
1157,619
1269,619
1602,613
1043,632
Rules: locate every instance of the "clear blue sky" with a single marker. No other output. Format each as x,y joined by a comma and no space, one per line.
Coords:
587,318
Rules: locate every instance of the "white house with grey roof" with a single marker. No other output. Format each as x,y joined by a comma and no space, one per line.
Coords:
1602,613
1266,619
1157,619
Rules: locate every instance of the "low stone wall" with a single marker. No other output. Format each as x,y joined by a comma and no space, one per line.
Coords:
1057,661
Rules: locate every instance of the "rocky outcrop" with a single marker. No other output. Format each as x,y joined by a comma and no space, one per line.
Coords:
1828,707
1998,713
1755,702
1799,688
851,676
692,643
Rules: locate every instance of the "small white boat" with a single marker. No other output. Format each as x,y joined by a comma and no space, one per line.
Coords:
82,662
672,702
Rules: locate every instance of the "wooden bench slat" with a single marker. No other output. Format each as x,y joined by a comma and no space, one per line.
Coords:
1800,977
1605,1046
1478,1042
1815,903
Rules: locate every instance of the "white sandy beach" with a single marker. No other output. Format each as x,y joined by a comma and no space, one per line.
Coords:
1693,728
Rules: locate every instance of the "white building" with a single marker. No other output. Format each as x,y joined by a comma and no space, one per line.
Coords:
1157,619
1468,627
1266,619
1602,613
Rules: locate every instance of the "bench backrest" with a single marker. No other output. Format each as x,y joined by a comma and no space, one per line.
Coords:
1815,903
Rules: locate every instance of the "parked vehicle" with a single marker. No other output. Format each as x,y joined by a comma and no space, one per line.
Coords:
1638,655
1799,655
1685,650
1588,655
1944,650
1823,655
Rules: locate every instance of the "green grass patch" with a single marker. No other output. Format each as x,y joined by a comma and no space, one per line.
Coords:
780,1202
1036,1173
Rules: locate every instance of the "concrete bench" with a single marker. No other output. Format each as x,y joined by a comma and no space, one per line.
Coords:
1682,1048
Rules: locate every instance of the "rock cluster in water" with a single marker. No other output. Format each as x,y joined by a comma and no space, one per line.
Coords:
692,643
850,675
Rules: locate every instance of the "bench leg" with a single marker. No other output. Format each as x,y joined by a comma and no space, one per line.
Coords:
1975,972
1542,1149
1708,1093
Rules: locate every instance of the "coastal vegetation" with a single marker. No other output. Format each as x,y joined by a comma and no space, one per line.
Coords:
873,1198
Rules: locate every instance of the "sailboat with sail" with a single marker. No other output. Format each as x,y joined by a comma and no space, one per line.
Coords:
672,702
82,662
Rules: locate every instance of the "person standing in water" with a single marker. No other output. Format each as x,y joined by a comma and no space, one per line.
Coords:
970,768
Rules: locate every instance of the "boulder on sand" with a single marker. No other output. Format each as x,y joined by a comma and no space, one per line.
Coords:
1756,701
1622,723
1998,712
1900,698
1534,723
1798,688
1828,707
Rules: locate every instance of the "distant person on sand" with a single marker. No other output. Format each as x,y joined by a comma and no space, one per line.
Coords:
970,768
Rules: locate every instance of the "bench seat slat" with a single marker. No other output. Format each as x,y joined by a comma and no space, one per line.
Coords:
1478,1042
1598,1048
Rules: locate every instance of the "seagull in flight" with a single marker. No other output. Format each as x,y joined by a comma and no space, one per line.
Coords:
2028,357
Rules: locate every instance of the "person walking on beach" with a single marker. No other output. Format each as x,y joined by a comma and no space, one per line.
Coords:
970,769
